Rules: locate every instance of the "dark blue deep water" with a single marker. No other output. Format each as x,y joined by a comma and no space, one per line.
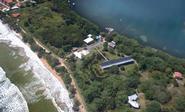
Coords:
158,23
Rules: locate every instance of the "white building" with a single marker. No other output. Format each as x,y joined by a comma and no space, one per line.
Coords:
14,7
134,104
88,40
132,101
89,36
80,54
84,52
112,44
77,54
133,97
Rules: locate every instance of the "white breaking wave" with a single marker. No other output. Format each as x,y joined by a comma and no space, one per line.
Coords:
53,89
11,99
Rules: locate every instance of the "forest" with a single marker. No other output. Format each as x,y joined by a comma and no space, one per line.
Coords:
60,29
108,90
53,23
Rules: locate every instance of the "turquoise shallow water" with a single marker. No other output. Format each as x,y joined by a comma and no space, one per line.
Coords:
158,23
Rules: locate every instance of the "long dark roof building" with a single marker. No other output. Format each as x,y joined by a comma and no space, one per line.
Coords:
117,62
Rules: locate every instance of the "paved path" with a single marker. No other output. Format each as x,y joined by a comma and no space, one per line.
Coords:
94,45
101,54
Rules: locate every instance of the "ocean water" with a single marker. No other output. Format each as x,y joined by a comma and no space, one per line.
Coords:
11,99
158,23
30,86
11,61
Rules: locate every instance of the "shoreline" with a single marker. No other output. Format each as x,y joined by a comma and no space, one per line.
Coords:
11,92
82,107
54,73
52,83
132,35
61,81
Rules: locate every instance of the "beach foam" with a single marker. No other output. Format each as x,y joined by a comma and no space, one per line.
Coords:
52,87
11,99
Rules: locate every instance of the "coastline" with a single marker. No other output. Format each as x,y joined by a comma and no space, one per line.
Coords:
61,81
82,107
53,83
78,96
135,29
55,74
8,90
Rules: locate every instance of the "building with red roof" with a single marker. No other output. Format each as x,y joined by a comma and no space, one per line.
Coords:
15,15
178,75
6,1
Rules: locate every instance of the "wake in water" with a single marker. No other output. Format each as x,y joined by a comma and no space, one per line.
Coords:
11,99
45,81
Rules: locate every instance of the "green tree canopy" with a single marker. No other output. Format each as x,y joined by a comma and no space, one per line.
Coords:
180,104
153,107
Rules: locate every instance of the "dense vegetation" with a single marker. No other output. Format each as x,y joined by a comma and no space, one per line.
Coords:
153,76
56,26
60,29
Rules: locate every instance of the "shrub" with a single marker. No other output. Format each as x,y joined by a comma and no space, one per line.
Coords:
180,104
61,69
67,79
153,107
163,97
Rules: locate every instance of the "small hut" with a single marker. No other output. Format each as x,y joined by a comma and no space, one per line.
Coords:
132,101
177,75
89,40
112,44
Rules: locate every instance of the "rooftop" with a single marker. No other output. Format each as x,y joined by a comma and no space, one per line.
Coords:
132,101
112,44
88,40
134,104
15,7
79,54
8,1
177,75
123,60
133,97
90,35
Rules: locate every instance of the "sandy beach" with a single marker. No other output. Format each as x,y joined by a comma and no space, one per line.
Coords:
43,70
52,83
53,71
